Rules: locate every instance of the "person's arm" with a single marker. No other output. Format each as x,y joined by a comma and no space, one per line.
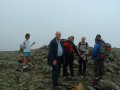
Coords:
23,45
51,59
79,44
32,44
87,49
75,50
87,46
96,50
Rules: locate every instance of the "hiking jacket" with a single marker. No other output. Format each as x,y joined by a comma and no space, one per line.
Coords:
70,49
27,46
53,51
96,51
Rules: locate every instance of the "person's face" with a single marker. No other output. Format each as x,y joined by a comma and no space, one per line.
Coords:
83,39
71,39
98,38
58,35
28,37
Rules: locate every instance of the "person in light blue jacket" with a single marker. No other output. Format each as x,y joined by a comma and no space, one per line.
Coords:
26,46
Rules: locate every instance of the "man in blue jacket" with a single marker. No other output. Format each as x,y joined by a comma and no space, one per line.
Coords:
55,58
98,62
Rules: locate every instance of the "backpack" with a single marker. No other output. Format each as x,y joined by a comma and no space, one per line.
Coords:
108,49
22,47
86,45
105,50
102,52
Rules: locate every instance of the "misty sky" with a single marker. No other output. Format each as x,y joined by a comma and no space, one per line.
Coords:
42,18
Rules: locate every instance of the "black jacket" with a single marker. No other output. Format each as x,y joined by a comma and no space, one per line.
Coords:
53,50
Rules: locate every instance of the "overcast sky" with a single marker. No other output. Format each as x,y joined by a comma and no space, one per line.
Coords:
42,18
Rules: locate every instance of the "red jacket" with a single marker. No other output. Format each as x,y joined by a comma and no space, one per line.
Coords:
68,47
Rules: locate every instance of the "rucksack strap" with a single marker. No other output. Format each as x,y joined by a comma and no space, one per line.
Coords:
83,44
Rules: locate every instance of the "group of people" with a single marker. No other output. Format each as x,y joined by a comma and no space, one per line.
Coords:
62,52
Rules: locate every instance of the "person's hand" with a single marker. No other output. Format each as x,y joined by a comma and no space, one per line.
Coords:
78,58
33,43
55,62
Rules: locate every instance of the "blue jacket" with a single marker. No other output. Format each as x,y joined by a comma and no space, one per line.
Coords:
53,50
96,51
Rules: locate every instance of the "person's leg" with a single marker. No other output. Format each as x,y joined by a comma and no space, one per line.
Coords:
25,61
60,60
28,60
29,55
81,66
65,64
101,68
71,67
71,64
56,71
55,75
59,69
96,68
84,67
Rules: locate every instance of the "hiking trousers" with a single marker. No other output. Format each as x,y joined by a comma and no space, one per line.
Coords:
99,68
68,62
82,66
56,71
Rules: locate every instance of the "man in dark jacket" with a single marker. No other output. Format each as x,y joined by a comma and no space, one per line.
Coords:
56,57
70,49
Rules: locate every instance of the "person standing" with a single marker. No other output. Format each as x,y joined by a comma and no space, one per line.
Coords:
55,58
98,57
70,49
26,52
83,48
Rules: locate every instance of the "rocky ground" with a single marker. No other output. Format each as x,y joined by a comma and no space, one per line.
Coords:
39,77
